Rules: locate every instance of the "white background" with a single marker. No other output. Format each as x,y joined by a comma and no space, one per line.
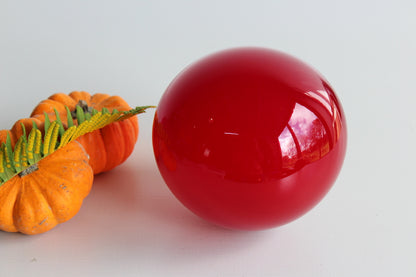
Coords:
130,224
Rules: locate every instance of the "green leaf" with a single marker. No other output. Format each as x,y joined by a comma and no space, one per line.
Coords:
47,122
58,119
34,125
9,152
138,110
23,130
30,150
70,121
17,155
79,114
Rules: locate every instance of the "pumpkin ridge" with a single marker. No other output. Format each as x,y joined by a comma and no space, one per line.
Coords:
127,127
108,134
64,99
43,202
17,201
42,190
95,147
12,190
112,102
56,206
81,95
48,106
57,178
105,148
97,98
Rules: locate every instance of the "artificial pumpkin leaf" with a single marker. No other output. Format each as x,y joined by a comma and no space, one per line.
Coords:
29,150
104,147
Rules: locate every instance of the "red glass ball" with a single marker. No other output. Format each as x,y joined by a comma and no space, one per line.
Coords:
249,138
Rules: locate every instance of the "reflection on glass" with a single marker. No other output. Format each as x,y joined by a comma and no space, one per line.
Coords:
322,97
303,141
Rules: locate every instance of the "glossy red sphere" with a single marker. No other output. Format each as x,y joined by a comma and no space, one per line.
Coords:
249,138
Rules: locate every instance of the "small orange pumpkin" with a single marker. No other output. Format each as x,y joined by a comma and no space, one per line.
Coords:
44,170
46,193
107,147
16,131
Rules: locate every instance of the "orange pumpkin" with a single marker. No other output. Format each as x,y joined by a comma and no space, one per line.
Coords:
107,147
46,193
16,131
45,172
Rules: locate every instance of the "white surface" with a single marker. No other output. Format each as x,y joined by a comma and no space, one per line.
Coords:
130,224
